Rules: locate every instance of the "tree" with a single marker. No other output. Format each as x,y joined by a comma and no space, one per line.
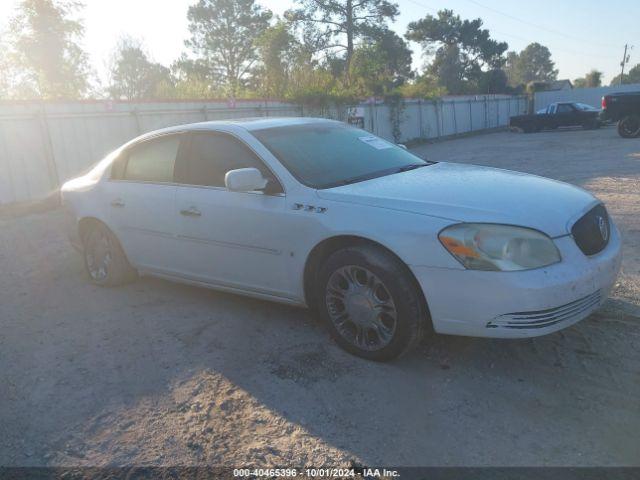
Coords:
5,79
494,81
311,79
134,76
223,33
532,64
340,23
590,80
633,76
276,50
44,51
423,86
462,49
580,83
194,78
381,64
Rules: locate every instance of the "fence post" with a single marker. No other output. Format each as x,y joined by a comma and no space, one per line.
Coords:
421,134
136,118
470,116
455,118
486,114
374,114
205,114
435,108
497,112
54,174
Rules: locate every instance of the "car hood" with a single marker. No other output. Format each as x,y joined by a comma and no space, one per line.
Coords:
470,193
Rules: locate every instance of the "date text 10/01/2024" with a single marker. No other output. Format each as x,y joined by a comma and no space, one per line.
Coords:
316,472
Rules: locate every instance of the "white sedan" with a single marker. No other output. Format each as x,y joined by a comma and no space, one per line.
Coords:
381,244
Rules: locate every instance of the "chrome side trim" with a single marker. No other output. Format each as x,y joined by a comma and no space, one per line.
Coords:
230,244
206,241
222,287
148,231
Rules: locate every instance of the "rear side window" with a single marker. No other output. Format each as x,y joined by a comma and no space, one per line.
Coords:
153,160
118,166
211,155
564,108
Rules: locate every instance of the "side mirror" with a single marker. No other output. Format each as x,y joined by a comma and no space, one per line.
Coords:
402,145
244,180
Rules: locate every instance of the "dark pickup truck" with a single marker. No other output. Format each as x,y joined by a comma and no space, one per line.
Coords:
567,114
623,108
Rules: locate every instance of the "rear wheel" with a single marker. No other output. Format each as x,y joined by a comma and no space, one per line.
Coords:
370,303
104,259
629,126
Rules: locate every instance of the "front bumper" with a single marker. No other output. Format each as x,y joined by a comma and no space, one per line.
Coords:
521,304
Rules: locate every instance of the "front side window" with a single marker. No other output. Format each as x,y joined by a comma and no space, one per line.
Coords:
326,155
212,155
153,160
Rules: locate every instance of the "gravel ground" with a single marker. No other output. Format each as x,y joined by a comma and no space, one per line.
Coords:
156,373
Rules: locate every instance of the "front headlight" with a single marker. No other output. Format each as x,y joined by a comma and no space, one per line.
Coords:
486,246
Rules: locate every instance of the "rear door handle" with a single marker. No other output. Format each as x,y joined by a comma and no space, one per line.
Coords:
117,203
191,212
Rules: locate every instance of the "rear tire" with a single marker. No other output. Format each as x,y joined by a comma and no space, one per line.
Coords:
104,259
629,126
370,303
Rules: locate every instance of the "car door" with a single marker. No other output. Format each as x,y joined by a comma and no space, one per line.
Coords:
546,118
565,115
141,198
229,238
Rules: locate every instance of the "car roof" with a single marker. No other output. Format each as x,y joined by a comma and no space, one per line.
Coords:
249,124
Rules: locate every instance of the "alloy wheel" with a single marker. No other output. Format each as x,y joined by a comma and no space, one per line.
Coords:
361,307
99,256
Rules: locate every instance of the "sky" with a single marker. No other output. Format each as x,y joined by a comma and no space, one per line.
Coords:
581,35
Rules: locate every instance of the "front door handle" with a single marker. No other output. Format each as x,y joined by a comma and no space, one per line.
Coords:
117,203
191,212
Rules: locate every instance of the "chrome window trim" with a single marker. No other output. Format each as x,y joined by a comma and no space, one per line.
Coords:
125,151
175,184
212,131
243,142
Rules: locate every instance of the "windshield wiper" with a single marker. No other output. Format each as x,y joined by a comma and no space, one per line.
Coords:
361,178
411,166
370,176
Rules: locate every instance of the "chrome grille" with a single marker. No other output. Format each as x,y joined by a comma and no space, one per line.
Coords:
548,317
592,231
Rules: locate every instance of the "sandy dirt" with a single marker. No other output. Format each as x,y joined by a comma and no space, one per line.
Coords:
156,373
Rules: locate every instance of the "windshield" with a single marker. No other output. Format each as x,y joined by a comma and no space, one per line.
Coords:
585,107
327,155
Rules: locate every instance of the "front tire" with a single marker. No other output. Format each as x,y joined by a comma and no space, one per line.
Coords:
370,303
629,126
104,260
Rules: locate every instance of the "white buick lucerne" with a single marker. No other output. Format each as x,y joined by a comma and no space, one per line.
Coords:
381,244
